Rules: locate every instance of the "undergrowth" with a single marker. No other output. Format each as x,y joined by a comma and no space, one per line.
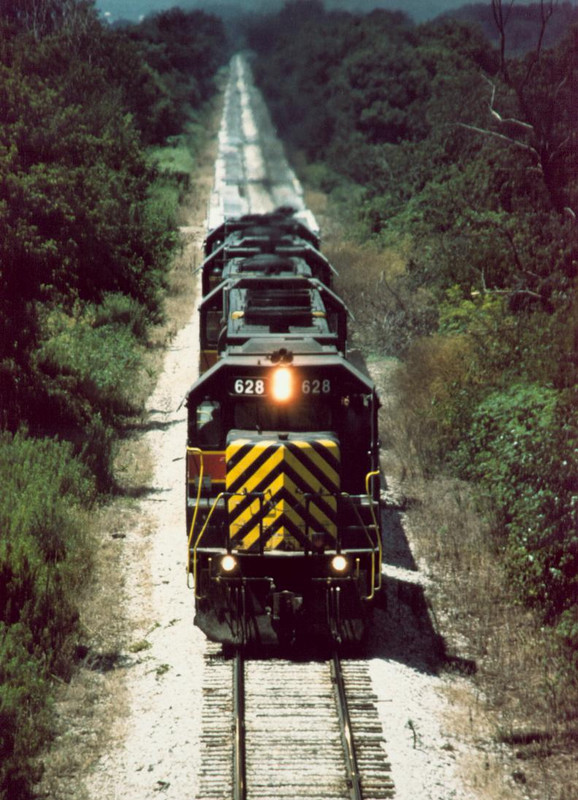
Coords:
489,457
89,374
45,553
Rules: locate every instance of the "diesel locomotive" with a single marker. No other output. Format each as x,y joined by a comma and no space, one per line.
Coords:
282,467
284,305
257,244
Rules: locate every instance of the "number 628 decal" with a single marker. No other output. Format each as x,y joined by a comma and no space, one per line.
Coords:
249,386
316,386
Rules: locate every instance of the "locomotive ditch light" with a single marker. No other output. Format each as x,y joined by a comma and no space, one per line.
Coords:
228,563
282,385
339,563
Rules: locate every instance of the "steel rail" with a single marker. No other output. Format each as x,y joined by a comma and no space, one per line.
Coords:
239,764
353,779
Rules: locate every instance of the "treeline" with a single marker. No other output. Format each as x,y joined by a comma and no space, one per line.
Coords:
524,23
87,230
457,165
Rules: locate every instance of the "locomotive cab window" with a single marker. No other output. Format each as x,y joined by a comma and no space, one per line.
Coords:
208,424
299,417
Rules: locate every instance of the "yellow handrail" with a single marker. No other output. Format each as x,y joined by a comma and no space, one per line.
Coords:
368,477
194,451
371,595
198,540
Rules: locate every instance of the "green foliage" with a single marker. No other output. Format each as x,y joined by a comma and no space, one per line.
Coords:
83,208
75,217
92,367
176,160
43,558
86,237
118,310
182,51
472,313
567,631
523,452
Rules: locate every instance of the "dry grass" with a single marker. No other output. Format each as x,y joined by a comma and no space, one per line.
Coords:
520,696
376,286
88,706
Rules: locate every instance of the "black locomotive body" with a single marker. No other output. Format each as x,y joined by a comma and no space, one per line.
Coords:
257,245
286,306
282,475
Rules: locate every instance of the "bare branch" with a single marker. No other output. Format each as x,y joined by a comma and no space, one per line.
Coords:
546,11
508,121
501,20
515,142
512,124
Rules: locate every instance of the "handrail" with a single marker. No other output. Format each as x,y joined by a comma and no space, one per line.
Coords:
368,478
199,452
198,540
369,539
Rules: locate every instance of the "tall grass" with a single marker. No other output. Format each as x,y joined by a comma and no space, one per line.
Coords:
44,556
376,286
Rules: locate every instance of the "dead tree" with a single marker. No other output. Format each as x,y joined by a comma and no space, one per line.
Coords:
532,131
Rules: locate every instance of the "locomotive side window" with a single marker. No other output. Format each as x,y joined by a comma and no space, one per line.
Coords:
214,325
209,424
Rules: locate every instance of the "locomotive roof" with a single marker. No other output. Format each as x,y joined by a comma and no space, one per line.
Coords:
277,305
269,264
282,221
257,356
248,255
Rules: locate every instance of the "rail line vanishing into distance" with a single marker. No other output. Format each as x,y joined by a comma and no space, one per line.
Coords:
304,728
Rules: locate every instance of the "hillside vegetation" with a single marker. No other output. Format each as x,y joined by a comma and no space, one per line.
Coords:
455,167
89,191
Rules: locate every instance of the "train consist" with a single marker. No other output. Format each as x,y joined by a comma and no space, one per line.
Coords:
282,470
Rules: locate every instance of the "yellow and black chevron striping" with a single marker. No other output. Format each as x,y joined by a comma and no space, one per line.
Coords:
282,491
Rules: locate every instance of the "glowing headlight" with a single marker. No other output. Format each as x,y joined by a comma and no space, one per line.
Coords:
228,563
282,384
339,563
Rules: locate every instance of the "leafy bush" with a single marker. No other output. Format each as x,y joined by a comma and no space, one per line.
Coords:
44,556
96,451
119,310
86,213
93,365
523,452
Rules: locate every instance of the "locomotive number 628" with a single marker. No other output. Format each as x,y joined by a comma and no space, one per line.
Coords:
257,387
250,386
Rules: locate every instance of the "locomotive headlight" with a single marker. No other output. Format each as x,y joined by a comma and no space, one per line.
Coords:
339,563
282,385
228,563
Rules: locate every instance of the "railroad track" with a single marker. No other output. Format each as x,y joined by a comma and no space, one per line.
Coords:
286,730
